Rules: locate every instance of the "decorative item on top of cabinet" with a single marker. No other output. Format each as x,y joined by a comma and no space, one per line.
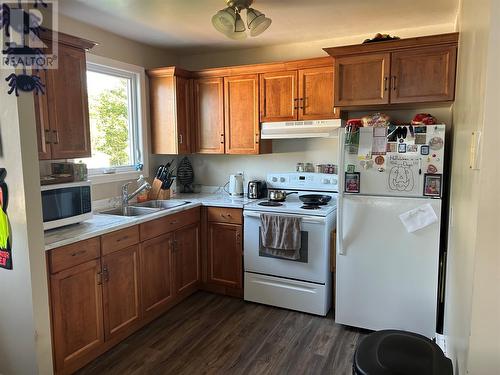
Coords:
208,94
241,109
171,103
413,70
62,116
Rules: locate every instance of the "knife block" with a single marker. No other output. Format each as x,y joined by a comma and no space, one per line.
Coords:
163,195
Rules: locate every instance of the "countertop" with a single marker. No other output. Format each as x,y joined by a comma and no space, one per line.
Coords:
101,224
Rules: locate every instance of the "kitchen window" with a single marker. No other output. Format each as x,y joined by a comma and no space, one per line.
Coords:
117,133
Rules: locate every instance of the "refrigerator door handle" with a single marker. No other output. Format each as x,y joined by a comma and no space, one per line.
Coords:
340,209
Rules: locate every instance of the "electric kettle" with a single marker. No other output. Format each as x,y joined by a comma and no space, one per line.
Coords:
236,185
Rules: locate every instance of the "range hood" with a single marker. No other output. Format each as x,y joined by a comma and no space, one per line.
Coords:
300,129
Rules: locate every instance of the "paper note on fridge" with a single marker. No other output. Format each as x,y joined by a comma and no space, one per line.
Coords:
418,218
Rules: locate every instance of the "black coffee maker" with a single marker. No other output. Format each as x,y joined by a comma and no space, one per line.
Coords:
257,189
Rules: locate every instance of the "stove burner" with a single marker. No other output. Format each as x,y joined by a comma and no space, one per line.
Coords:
270,204
311,207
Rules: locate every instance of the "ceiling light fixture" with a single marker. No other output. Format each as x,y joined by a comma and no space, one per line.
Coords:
228,21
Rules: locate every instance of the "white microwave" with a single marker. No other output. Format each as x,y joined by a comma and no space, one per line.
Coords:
66,204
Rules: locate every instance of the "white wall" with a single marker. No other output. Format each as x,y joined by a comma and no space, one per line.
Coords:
25,346
472,309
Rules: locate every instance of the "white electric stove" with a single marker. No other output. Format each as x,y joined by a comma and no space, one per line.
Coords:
303,284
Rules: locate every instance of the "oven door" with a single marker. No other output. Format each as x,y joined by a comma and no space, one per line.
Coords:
313,253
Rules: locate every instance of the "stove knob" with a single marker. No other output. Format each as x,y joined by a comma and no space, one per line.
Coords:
282,179
275,179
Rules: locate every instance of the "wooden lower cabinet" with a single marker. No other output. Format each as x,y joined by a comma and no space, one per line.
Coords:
187,259
105,288
78,327
157,278
121,277
225,252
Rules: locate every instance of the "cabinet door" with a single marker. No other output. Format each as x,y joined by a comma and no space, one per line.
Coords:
183,99
76,296
121,291
42,121
362,80
241,106
156,274
423,75
225,254
187,259
316,94
68,105
278,96
209,112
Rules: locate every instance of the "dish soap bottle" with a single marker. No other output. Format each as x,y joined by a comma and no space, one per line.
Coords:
143,195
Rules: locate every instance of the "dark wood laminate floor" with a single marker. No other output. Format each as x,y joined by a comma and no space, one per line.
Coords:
211,334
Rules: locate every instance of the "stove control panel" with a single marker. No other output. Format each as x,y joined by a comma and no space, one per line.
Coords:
303,181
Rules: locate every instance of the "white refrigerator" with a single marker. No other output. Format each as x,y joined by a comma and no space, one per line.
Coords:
388,227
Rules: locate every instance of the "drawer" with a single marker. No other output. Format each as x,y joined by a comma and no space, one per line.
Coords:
119,240
72,255
225,215
169,223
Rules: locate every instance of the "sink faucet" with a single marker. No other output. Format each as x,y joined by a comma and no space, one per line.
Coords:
126,197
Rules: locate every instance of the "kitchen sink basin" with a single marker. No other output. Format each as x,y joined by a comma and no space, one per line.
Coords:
130,211
162,205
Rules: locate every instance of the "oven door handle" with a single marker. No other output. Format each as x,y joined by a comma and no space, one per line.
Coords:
305,219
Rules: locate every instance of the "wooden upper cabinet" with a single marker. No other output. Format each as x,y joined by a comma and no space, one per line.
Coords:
76,302
157,275
423,75
278,96
362,80
241,106
187,266
412,70
171,123
121,295
225,254
209,115
68,105
316,94
62,114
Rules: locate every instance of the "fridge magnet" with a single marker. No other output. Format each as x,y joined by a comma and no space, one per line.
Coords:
366,164
431,169
432,185
392,147
351,168
402,148
379,160
412,148
352,181
424,150
436,143
420,139
420,129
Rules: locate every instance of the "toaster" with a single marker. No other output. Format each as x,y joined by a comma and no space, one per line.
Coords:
257,189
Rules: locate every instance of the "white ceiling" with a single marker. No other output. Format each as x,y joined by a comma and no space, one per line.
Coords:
186,24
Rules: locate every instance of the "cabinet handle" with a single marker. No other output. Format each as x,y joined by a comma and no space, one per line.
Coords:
386,79
47,137
105,272
257,137
56,133
394,78
99,278
180,139
296,104
304,105
80,252
238,238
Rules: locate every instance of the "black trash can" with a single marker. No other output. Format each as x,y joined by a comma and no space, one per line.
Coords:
393,352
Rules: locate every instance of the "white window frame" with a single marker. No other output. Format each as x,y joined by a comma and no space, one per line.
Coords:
138,111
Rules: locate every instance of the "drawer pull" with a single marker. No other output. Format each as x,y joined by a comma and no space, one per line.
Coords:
77,253
174,222
122,239
228,215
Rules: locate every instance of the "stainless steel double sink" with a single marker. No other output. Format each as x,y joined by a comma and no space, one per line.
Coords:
145,208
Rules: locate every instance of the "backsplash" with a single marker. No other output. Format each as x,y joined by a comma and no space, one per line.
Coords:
214,170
